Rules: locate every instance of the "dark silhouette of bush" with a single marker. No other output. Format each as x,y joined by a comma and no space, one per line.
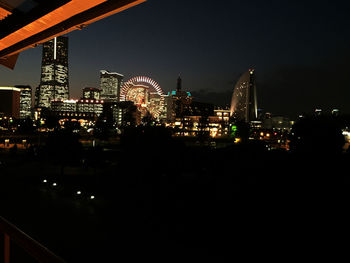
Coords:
243,130
320,135
64,147
26,126
147,137
103,129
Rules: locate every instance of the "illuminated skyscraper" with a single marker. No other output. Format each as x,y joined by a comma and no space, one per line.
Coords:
54,83
110,85
25,101
178,102
244,102
91,93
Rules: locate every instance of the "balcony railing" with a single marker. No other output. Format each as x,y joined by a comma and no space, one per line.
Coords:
34,249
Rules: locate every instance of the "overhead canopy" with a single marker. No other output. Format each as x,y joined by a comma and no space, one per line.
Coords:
27,23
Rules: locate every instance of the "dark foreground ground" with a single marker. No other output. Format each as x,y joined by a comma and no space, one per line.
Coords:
184,203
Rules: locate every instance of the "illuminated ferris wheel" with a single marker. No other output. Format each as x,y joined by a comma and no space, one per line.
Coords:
146,94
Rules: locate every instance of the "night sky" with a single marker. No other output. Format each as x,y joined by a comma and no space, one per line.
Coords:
300,50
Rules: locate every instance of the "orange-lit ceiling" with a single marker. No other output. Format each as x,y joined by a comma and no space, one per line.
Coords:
61,14
4,13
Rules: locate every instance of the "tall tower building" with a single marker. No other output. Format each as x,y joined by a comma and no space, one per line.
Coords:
177,102
244,101
54,83
25,101
110,85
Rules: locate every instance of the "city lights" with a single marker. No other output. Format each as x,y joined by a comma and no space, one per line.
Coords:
167,130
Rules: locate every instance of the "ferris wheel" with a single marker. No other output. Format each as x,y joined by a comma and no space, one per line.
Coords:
138,90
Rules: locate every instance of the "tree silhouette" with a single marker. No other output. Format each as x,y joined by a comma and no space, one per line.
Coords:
318,135
26,126
243,130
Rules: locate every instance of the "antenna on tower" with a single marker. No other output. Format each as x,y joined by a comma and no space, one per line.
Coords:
179,84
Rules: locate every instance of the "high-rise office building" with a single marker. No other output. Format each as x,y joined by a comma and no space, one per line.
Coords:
244,100
9,101
110,85
25,101
54,83
178,102
36,96
91,93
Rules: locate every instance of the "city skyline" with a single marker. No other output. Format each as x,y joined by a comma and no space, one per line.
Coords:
176,129
295,57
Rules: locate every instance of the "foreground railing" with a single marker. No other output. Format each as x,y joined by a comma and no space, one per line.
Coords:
32,247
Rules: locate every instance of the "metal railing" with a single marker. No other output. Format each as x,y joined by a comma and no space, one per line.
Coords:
32,247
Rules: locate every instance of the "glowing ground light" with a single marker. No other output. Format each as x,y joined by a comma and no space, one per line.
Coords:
54,184
44,181
78,192
92,197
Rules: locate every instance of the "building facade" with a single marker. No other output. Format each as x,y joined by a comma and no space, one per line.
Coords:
244,99
25,109
91,106
277,123
121,114
64,105
91,93
54,83
10,102
110,85
177,102
194,126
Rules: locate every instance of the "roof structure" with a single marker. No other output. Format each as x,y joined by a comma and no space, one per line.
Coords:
27,23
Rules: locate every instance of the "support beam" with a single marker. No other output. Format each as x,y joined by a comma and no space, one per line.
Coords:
6,248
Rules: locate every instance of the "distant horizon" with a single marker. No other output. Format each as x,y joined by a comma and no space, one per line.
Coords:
205,96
